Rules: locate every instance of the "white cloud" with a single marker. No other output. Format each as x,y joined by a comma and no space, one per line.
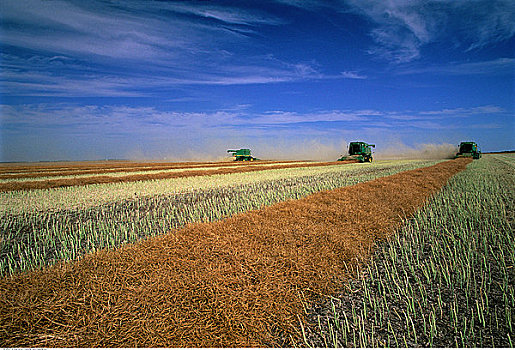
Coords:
456,112
229,15
287,117
353,75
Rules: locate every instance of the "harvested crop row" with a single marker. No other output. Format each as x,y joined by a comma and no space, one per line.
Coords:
238,282
109,170
30,185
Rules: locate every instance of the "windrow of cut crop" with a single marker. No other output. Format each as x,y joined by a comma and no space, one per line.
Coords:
45,184
446,280
243,281
37,238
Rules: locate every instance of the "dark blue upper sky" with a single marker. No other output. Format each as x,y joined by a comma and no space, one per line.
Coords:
289,79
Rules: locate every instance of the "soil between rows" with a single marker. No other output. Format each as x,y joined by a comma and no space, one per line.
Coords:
243,281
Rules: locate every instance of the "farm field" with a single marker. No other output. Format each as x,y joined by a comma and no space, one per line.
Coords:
43,226
42,176
66,178
72,171
123,258
94,167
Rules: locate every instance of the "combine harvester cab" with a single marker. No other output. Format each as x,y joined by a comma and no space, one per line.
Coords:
242,155
359,152
467,150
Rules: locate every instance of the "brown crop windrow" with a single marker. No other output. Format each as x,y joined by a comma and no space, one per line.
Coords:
119,169
243,281
55,183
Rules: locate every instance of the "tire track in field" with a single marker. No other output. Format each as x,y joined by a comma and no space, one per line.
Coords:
243,281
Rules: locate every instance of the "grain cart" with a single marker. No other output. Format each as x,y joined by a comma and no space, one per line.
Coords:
242,154
359,151
468,149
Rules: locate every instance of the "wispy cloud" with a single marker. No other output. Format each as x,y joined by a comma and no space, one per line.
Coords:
499,66
486,22
86,29
136,48
457,112
241,116
67,76
78,49
402,27
228,15
353,75
96,48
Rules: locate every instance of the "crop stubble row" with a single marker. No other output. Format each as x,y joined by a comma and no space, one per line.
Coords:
238,282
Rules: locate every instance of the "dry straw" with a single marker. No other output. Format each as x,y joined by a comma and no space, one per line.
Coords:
243,281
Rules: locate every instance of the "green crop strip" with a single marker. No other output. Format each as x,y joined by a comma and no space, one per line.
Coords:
446,280
35,238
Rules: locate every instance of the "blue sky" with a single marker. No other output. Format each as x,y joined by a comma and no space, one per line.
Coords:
289,79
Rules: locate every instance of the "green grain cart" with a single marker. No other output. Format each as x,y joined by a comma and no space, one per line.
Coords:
468,149
242,155
360,152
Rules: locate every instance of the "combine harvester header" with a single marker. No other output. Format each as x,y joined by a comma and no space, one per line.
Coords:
242,155
359,152
468,149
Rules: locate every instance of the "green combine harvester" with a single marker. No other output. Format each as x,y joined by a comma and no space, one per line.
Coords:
468,149
242,155
359,152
